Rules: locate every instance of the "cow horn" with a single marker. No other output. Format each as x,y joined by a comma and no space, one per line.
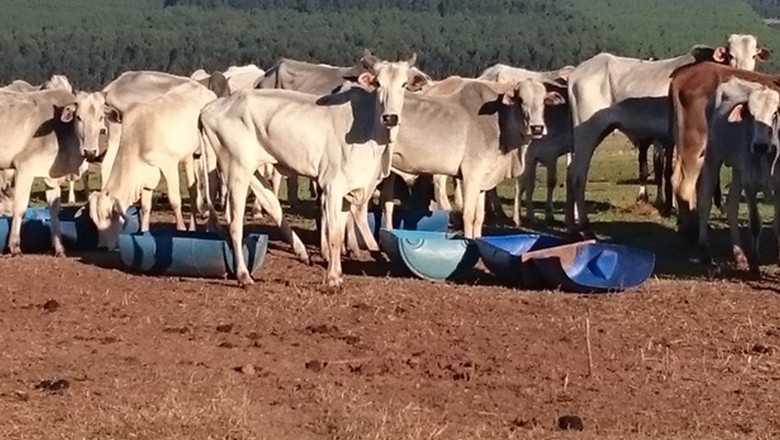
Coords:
413,60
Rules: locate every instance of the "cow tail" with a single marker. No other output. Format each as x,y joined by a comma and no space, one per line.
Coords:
205,148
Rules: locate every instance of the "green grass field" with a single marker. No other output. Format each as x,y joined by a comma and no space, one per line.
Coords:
614,213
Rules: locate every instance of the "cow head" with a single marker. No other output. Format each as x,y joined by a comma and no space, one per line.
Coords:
529,97
742,52
58,82
389,81
761,109
106,212
90,123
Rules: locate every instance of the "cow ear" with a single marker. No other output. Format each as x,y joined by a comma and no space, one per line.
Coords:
565,72
736,113
366,80
553,98
417,80
112,114
509,98
720,55
69,113
763,54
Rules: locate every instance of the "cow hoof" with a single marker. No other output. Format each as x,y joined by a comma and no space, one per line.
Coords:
378,256
335,282
245,280
16,251
59,254
642,199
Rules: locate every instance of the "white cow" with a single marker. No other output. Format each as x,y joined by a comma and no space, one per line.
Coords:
56,82
343,140
157,135
45,134
744,136
608,92
243,77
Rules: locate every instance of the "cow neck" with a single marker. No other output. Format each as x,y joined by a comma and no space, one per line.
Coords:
364,118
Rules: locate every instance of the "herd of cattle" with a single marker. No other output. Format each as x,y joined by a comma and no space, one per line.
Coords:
357,132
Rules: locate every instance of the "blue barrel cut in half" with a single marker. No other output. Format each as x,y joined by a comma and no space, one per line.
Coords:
435,256
589,267
77,228
189,254
502,254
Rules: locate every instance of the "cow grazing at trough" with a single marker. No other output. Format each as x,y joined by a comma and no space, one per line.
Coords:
157,135
46,134
743,135
470,129
608,92
128,90
343,141
691,89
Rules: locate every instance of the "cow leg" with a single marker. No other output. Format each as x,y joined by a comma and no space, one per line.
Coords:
776,221
171,174
577,176
238,188
387,200
458,194
71,191
351,246
335,220
292,190
552,181
192,190
471,198
480,215
440,192
361,218
271,205
529,174
519,190
732,211
22,187
644,173
751,196
658,173
53,200
706,186
146,209
717,196
114,136
668,171
494,205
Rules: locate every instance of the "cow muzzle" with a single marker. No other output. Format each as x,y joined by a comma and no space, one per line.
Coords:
89,155
759,148
537,131
390,120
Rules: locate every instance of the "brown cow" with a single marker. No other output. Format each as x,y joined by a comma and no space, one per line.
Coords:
690,92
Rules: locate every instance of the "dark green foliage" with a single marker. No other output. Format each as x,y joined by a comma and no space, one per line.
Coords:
766,8
93,41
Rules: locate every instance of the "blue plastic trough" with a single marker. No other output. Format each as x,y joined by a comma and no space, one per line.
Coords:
188,254
438,220
589,267
78,232
430,255
502,255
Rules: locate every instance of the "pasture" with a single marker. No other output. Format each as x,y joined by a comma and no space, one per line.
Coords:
91,352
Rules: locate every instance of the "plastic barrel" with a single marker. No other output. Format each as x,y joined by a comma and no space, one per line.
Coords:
430,255
438,220
188,254
77,229
502,254
589,267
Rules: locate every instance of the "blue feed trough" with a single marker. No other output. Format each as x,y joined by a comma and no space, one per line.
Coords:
589,267
502,255
430,255
438,220
188,254
78,230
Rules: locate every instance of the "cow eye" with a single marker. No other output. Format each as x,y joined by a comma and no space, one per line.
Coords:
78,118
376,83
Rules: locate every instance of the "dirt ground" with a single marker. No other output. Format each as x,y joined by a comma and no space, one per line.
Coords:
92,352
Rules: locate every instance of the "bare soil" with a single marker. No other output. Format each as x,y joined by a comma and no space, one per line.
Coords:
88,351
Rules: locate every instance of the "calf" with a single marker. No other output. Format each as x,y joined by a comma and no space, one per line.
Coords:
346,147
743,124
